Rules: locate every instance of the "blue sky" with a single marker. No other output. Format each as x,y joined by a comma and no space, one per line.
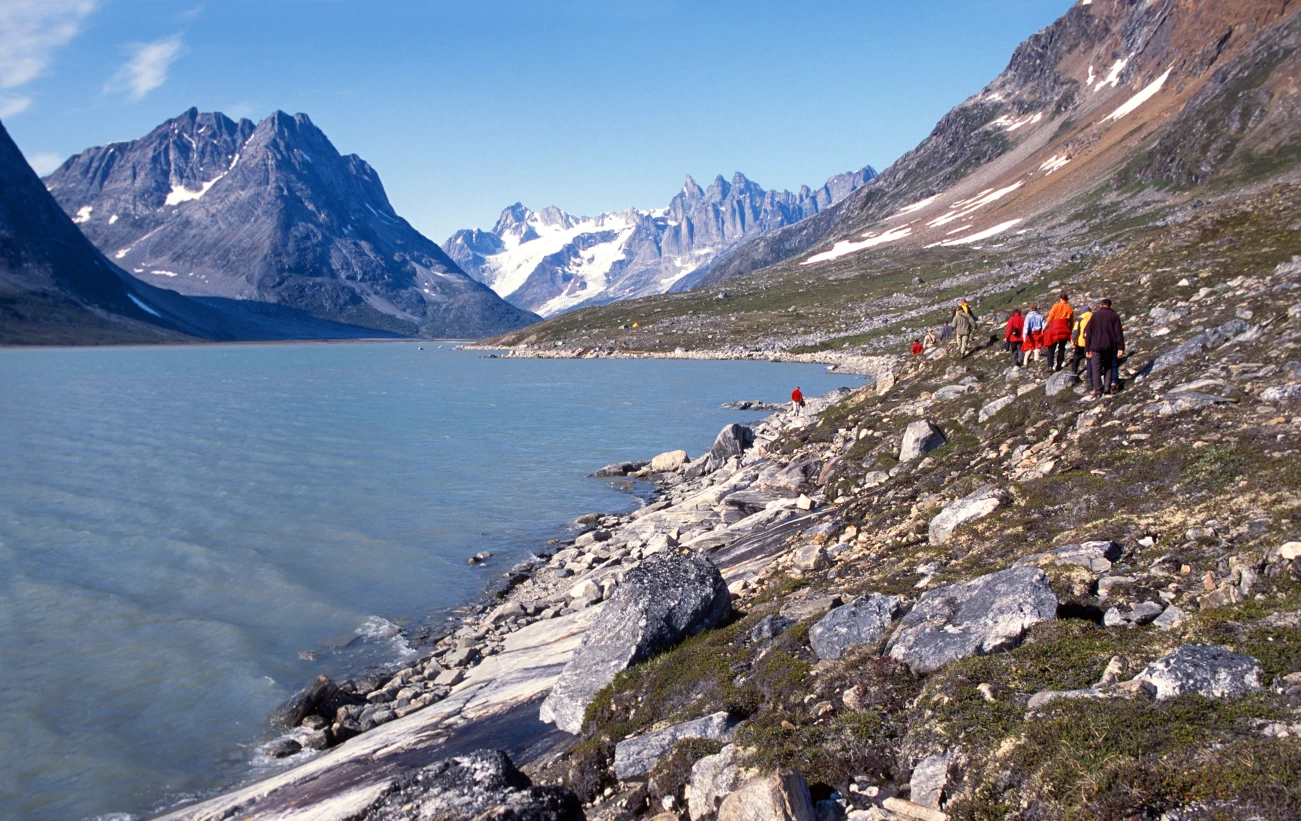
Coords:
465,107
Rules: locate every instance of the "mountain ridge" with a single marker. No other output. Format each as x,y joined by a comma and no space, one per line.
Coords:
551,261
208,206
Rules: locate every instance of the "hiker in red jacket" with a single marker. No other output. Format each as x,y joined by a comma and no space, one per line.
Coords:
797,398
917,347
1013,336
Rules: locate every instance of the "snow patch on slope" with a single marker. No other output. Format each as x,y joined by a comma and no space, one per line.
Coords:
977,237
1054,162
1132,104
964,208
83,214
143,306
1113,77
849,246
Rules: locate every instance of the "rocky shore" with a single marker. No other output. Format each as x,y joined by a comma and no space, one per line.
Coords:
962,591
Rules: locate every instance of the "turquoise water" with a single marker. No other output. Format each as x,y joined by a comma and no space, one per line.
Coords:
189,534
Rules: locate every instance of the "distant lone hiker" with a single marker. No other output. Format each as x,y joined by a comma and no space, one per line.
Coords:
797,399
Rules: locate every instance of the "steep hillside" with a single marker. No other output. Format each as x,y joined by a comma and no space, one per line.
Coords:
271,212
550,261
1109,126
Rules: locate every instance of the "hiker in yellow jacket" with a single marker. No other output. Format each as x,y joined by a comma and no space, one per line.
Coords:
1078,357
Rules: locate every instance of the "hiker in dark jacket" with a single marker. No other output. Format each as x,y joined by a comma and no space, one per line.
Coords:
1104,344
964,322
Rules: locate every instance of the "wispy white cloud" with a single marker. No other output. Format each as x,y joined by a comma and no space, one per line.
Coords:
147,68
11,104
30,32
43,162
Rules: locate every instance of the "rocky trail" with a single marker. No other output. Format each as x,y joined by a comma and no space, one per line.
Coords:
962,591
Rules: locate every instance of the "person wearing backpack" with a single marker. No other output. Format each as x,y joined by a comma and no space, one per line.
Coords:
1104,343
1078,357
1057,334
964,324
1013,336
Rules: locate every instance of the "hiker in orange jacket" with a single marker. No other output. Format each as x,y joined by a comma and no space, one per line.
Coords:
1057,334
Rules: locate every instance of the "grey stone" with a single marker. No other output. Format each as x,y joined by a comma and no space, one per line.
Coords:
731,441
1096,556
1186,401
1060,381
781,796
1212,672
1141,613
1280,393
669,596
322,697
919,439
981,616
282,748
620,469
811,557
1169,619
1202,342
713,778
802,608
483,784
770,627
929,778
994,407
862,622
967,509
639,755
953,392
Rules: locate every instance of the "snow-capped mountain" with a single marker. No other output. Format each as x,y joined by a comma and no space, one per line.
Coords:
549,261
207,206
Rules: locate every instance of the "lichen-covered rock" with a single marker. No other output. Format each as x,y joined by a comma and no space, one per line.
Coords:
929,778
1207,671
781,796
666,598
864,621
712,779
981,616
1131,617
1060,381
1096,556
639,755
483,784
770,627
967,509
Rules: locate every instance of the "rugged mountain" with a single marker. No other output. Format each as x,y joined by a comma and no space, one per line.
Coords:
57,288
207,206
550,261
1115,95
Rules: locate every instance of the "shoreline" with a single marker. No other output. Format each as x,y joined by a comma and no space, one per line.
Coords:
506,647
837,362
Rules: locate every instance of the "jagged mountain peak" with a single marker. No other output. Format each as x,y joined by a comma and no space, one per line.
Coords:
551,261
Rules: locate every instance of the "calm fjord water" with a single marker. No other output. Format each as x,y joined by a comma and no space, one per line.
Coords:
188,534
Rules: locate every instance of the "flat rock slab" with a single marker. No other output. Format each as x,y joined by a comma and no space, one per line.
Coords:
973,618
1187,401
1131,617
1060,381
978,505
994,407
669,596
639,755
620,469
1096,556
862,622
929,778
1212,672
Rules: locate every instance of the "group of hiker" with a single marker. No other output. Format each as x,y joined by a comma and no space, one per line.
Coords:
1093,336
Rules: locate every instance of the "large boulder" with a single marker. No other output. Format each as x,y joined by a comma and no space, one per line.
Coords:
862,622
973,618
781,796
669,460
669,596
639,755
967,509
919,439
483,784
1205,341
320,698
731,441
713,778
1212,672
